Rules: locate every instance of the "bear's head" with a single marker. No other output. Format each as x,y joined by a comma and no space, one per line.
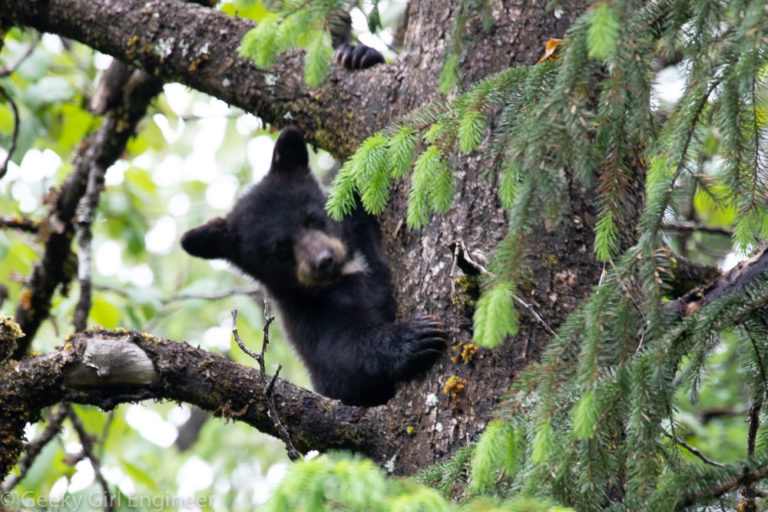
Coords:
278,232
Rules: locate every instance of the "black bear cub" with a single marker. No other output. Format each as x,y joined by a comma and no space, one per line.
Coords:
330,280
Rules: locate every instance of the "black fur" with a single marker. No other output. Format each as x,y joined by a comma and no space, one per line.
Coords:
347,55
357,56
331,281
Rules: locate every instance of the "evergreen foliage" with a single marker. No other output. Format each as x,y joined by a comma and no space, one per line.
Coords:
595,422
340,482
307,25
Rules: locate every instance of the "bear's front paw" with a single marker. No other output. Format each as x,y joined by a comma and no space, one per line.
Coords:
359,56
423,340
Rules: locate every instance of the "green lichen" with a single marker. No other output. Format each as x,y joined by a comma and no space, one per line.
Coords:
9,333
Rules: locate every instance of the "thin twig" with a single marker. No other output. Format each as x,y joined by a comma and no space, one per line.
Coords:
750,493
33,449
7,71
237,290
293,453
694,451
686,227
534,314
105,432
14,135
258,357
88,452
460,250
20,223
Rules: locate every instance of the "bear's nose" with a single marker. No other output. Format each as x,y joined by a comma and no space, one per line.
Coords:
323,262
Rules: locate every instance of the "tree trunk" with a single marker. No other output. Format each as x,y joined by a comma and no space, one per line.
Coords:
430,266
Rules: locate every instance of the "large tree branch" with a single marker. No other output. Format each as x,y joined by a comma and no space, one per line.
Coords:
106,368
197,46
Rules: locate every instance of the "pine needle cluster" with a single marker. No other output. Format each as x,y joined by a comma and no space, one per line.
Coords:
594,424
295,23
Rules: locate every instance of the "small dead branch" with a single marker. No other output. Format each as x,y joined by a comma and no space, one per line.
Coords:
695,451
689,227
7,71
463,259
293,453
14,135
20,223
87,443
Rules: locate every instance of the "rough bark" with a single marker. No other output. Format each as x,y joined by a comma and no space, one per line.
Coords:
107,368
196,46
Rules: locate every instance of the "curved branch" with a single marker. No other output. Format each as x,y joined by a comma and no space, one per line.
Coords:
101,149
195,45
106,368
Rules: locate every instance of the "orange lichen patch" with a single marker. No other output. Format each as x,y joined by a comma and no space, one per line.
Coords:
131,43
196,63
465,352
25,299
454,386
550,49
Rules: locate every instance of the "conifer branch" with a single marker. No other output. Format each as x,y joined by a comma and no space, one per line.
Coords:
748,477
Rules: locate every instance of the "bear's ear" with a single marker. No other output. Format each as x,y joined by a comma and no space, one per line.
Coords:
214,239
290,154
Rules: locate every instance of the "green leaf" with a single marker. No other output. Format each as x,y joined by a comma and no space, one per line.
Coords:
508,185
104,314
260,43
495,317
341,199
374,19
498,450
77,121
256,12
317,59
584,415
449,77
603,33
6,120
140,178
373,173
606,236
425,171
442,192
421,499
471,128
139,475
541,442
717,210
50,89
401,148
